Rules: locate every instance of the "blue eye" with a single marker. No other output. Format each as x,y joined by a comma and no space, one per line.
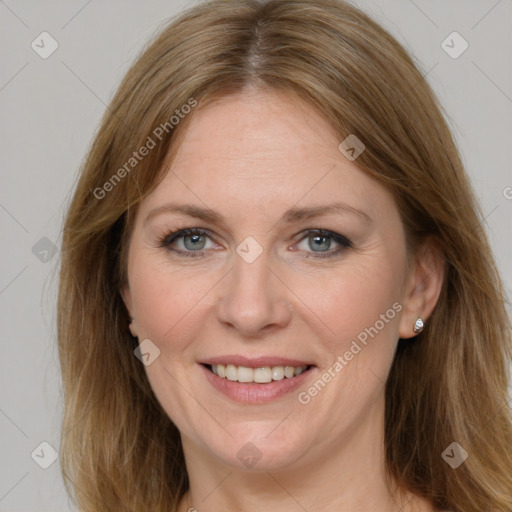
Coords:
194,241
321,243
188,242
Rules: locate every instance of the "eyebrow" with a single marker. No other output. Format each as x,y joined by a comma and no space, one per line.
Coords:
291,216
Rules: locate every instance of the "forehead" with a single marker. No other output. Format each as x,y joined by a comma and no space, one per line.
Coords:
258,149
256,130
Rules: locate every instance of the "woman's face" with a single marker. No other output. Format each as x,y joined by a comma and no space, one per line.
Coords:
295,258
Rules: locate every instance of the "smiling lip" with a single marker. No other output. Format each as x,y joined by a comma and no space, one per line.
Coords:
254,393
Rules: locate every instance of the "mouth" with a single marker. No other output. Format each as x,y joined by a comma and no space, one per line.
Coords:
260,375
256,381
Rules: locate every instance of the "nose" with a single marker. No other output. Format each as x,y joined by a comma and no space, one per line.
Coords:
253,300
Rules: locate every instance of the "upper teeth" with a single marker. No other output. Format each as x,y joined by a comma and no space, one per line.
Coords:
260,375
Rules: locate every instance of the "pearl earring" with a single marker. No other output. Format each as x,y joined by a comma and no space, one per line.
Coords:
418,326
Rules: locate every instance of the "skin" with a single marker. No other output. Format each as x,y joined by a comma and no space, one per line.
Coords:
251,157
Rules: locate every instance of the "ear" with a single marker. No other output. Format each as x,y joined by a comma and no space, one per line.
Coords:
423,286
127,299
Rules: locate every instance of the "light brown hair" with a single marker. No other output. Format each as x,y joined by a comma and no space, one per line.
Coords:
120,451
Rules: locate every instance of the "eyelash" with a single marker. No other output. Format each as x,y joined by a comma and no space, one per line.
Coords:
168,239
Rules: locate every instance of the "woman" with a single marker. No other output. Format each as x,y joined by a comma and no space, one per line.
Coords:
276,291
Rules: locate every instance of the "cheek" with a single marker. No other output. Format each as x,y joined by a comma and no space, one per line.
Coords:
167,301
354,298
360,306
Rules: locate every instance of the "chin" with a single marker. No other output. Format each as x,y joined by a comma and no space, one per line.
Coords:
257,451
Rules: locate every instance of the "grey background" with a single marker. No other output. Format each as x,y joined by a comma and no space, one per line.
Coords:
50,109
